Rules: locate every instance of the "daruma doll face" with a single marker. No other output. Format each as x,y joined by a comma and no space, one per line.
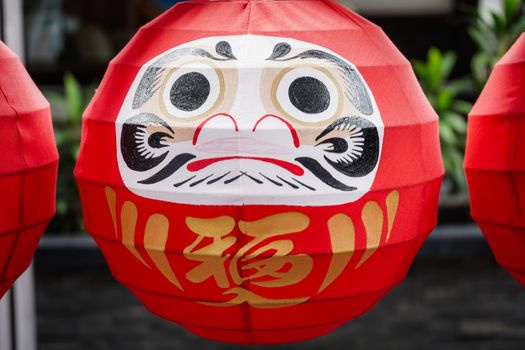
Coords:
241,120
258,188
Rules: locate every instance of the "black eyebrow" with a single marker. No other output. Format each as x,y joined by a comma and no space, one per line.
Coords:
279,51
356,91
149,84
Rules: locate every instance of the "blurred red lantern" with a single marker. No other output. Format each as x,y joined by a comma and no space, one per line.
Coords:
260,171
495,161
28,166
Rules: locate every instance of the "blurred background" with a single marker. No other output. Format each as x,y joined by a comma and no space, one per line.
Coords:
455,297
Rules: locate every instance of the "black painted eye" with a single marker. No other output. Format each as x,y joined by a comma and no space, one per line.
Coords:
190,91
309,95
143,141
355,152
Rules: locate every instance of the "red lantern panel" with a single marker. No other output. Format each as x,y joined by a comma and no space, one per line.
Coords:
260,171
28,166
495,161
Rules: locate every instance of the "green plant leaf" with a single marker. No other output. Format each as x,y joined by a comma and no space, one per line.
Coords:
499,23
479,39
62,206
73,93
447,162
442,93
510,9
456,121
447,65
60,138
460,86
434,70
517,29
444,100
420,69
494,36
447,135
480,68
462,107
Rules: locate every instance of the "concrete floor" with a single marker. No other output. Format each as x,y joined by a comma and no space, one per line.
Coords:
467,303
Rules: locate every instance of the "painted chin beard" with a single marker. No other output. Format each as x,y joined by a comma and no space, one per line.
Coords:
345,150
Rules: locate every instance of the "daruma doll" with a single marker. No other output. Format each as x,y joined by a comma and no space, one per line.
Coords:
28,166
260,171
495,161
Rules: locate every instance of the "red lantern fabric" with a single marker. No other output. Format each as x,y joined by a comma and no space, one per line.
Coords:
28,166
495,161
260,171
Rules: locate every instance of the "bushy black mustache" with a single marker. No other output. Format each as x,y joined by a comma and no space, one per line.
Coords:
170,169
140,160
322,174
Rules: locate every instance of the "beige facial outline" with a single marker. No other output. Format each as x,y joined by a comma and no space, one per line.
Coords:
227,74
272,75
277,81
274,72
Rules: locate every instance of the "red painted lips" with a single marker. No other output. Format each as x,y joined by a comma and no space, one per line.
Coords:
204,163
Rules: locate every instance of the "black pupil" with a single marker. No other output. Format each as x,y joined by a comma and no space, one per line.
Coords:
190,91
309,95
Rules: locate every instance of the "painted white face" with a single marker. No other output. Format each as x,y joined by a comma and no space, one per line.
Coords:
249,119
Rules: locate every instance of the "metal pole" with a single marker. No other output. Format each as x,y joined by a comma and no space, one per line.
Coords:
6,330
6,341
17,308
25,312
13,26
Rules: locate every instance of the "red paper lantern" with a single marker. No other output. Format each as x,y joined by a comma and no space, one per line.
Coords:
260,171
495,161
28,166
